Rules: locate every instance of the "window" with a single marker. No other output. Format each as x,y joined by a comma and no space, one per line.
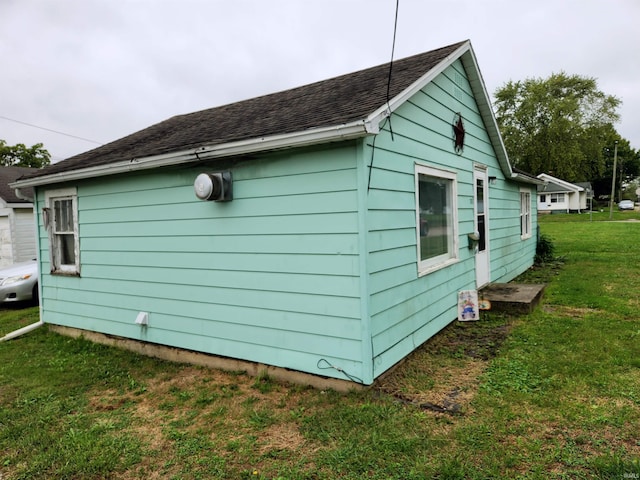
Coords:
61,220
436,222
557,197
525,214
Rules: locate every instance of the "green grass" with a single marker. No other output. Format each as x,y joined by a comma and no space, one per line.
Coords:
601,215
554,394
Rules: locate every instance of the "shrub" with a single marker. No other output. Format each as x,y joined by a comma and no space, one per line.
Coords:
544,250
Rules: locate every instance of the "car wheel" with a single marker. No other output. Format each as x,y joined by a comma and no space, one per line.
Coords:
34,294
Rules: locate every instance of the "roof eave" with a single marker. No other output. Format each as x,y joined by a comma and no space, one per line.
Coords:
304,138
526,179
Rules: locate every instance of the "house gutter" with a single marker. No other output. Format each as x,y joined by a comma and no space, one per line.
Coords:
22,331
297,139
526,179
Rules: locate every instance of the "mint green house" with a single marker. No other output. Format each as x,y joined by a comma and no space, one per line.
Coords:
343,218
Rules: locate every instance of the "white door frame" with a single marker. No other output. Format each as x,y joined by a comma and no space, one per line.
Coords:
481,224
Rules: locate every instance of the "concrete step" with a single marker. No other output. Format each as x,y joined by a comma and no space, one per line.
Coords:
515,298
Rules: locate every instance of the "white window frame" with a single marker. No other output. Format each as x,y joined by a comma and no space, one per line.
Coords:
51,196
525,213
451,256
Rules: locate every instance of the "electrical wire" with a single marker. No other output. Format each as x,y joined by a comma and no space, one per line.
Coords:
373,151
393,48
388,118
328,366
50,130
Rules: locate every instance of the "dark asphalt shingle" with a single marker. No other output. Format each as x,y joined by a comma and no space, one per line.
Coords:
332,102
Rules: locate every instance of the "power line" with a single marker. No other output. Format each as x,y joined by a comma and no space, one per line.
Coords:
388,118
393,49
50,130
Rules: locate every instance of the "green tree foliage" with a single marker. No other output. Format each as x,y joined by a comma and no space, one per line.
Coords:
559,125
20,155
627,170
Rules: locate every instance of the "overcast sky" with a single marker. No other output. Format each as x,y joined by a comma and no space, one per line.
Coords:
102,69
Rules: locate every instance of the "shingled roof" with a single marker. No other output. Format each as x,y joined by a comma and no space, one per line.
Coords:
10,174
327,103
557,185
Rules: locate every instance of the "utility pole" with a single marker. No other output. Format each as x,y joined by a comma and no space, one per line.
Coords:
613,182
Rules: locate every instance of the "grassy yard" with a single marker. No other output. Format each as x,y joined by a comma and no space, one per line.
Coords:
555,394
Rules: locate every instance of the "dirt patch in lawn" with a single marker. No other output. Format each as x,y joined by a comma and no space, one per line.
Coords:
220,411
442,376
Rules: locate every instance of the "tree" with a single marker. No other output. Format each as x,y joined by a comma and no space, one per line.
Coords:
20,155
628,170
559,125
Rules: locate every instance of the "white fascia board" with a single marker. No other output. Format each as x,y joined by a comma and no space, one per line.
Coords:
296,139
260,144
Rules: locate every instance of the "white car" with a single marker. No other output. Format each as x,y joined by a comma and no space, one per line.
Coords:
626,205
19,282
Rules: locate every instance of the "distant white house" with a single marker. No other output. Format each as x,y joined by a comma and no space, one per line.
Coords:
17,225
560,196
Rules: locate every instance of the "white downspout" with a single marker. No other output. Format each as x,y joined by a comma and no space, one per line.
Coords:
39,323
21,331
22,196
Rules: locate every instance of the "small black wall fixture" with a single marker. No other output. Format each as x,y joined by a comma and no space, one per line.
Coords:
458,133
217,186
474,241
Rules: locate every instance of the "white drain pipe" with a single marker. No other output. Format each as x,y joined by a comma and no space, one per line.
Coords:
22,331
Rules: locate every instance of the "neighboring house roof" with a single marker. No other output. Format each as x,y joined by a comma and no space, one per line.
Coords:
552,187
348,106
9,175
556,185
587,186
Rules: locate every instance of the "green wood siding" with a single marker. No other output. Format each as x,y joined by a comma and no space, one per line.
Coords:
407,309
271,277
511,255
